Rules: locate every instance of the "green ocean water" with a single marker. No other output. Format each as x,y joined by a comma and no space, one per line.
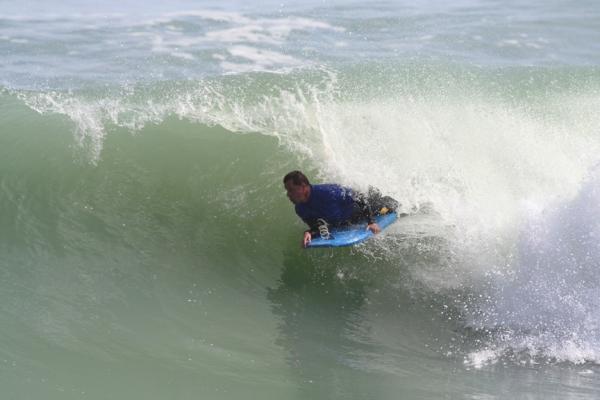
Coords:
166,263
173,271
148,250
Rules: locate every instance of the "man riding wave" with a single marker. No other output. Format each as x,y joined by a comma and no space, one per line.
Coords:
333,205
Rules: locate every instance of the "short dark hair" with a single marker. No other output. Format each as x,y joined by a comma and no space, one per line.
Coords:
297,178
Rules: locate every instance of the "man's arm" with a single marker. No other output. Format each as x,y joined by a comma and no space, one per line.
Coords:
307,238
313,229
364,207
367,212
313,226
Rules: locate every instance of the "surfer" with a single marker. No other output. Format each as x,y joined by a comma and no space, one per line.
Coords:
325,205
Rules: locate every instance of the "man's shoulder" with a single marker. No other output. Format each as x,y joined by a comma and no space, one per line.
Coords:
326,187
329,190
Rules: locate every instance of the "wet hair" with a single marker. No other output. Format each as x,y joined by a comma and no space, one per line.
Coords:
297,178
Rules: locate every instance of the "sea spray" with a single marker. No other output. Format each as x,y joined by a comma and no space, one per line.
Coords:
548,308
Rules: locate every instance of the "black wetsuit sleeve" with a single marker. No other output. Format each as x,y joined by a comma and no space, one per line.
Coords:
365,209
313,226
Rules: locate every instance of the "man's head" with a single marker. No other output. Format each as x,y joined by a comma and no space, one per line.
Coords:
297,187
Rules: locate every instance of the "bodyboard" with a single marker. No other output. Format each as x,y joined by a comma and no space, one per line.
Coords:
353,234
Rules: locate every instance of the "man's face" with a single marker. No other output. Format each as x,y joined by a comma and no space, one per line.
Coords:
297,193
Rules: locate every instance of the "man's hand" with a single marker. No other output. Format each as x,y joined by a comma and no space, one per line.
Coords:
307,239
374,228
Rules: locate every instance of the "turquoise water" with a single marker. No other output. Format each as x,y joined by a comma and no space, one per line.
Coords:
148,250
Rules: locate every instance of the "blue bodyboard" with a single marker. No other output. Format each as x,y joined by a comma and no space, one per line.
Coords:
353,234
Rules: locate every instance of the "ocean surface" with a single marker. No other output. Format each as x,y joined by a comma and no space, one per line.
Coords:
148,250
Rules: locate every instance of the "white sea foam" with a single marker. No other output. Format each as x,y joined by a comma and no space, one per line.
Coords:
509,43
252,33
214,15
262,58
54,17
263,32
186,34
479,359
244,29
522,42
19,40
182,55
253,39
550,307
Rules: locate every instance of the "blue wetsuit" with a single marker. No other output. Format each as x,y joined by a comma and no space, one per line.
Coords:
335,204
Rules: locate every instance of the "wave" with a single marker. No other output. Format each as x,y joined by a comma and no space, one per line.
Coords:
196,166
